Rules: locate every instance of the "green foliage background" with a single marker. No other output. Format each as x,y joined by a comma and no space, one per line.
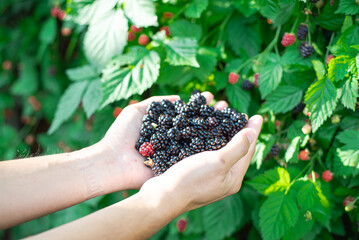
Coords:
58,92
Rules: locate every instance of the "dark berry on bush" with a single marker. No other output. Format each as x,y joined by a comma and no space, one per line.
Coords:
314,1
299,108
247,85
302,32
306,50
274,151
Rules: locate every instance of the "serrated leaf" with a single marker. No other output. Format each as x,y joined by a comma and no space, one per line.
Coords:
346,161
308,196
338,68
348,7
319,68
92,97
350,36
92,13
48,31
207,60
270,75
258,156
321,101
300,229
81,73
244,39
291,155
182,51
142,13
121,82
106,38
184,28
284,99
273,180
247,8
277,11
328,19
348,22
195,9
277,215
350,93
238,98
221,219
68,103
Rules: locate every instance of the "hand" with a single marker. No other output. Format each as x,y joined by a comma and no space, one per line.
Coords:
208,176
126,167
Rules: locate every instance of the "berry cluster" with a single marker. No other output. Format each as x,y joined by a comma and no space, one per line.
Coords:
173,131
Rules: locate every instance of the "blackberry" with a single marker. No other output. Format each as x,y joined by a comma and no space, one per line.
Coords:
206,111
247,85
197,145
314,1
174,148
155,108
302,32
198,123
188,132
140,141
212,122
159,141
165,121
299,108
174,134
306,50
180,121
173,160
178,106
274,151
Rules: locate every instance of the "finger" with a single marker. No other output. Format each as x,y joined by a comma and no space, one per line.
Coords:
220,105
209,96
237,148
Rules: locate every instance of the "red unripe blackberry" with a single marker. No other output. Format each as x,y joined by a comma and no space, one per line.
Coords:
233,78
130,36
303,155
135,29
61,15
288,39
181,225
117,111
166,29
6,65
143,40
167,15
29,139
146,149
256,79
36,105
329,57
65,31
55,11
307,128
310,175
348,200
327,176
269,21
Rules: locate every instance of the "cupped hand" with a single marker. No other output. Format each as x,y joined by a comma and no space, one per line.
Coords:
208,176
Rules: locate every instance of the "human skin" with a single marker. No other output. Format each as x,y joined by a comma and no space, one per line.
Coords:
38,186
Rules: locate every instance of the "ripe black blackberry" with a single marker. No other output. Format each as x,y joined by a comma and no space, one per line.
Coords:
180,121
299,108
302,32
206,111
159,141
165,121
174,134
247,85
306,50
178,106
140,141
314,1
274,151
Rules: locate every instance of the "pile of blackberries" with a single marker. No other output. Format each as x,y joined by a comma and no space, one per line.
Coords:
173,131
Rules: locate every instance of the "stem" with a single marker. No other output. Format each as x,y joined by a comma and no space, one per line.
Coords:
330,42
178,13
222,27
296,177
294,25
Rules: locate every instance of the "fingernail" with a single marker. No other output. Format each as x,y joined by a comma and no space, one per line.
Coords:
250,136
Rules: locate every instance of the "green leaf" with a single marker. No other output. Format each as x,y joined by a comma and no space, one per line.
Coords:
182,51
273,180
350,93
207,60
184,28
81,73
338,68
350,36
238,98
277,11
92,13
175,75
321,101
27,83
319,68
328,19
284,99
349,137
69,102
348,22
92,97
291,155
48,31
243,38
142,13
308,196
247,8
221,219
106,38
300,229
277,215
270,75
346,161
195,9
348,7
121,82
